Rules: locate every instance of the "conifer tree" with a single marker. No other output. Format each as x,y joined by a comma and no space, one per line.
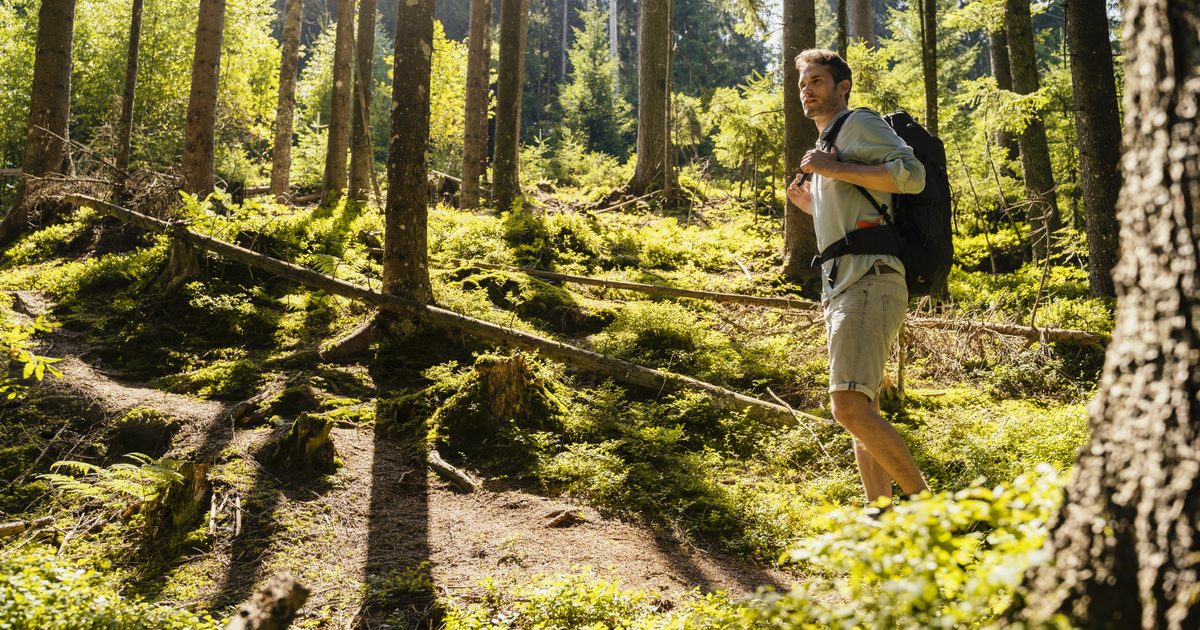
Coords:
800,135
479,46
592,112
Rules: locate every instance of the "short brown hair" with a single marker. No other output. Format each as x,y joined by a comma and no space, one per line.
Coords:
838,68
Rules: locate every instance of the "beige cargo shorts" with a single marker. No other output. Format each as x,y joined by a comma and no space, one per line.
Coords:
861,324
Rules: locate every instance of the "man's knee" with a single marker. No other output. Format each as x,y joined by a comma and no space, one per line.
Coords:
849,407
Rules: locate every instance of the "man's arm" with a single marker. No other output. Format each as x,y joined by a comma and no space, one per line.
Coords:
869,176
881,160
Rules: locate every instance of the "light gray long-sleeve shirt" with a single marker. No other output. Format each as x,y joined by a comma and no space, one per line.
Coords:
839,208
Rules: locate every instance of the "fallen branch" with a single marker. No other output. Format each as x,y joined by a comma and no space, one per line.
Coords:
623,371
460,478
272,607
1053,335
9,172
15,528
457,179
626,202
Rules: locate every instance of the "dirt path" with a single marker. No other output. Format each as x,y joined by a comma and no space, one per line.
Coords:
353,536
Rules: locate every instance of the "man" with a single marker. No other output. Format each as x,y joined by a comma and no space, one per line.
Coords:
864,295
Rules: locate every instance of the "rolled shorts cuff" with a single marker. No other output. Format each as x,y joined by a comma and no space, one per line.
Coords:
854,387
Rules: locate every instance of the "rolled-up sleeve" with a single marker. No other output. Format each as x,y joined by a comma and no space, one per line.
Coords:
876,143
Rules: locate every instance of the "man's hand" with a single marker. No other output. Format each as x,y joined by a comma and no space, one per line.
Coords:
801,194
819,162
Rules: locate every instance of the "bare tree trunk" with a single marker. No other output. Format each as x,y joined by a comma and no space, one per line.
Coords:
362,153
1126,542
842,24
334,181
654,40
125,120
1035,154
1097,135
506,183
198,140
49,112
928,9
479,46
613,31
800,135
860,22
1002,72
281,160
405,241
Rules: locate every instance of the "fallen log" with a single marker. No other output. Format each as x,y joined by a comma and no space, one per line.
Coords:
460,478
1049,334
20,527
272,607
617,369
9,172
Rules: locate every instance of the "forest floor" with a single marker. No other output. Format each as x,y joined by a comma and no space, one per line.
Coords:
382,515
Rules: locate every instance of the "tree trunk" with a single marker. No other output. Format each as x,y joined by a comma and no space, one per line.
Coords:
1002,72
197,159
654,41
49,110
362,154
800,135
479,44
281,160
841,27
1097,134
928,9
860,22
125,121
613,53
405,244
334,181
1035,154
514,22
1126,543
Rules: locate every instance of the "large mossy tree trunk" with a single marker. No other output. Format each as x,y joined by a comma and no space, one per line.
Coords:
125,118
514,23
334,181
362,153
860,22
800,135
281,157
1126,543
654,44
479,52
405,240
1035,153
1002,72
1097,134
49,110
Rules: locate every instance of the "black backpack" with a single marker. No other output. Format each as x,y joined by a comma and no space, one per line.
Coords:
920,235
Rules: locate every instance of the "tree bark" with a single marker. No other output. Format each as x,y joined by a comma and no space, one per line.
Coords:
334,181
860,22
1002,72
1097,134
197,159
800,135
281,159
928,9
479,45
654,41
613,33
1035,154
362,153
1126,541
272,607
842,21
405,244
49,111
125,120
514,22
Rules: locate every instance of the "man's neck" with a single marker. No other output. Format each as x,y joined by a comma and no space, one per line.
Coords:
822,123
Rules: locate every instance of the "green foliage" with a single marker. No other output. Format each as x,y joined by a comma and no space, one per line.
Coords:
447,101
16,347
570,163
550,241
42,590
18,36
593,113
669,336
119,486
572,601
748,121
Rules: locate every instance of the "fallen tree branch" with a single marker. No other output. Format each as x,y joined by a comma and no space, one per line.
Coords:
460,478
9,172
623,371
457,179
20,527
626,202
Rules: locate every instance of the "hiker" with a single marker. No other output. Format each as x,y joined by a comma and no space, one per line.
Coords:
863,295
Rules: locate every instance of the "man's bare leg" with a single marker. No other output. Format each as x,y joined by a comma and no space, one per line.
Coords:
884,445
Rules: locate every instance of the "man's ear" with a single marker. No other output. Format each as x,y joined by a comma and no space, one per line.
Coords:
844,88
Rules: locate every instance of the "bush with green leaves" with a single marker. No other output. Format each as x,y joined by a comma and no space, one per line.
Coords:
16,346
669,336
41,589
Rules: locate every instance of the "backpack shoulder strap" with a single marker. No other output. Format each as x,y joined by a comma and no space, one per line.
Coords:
830,136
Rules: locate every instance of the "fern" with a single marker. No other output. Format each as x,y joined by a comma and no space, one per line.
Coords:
121,485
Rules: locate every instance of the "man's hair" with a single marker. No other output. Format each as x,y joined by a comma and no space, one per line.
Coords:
838,68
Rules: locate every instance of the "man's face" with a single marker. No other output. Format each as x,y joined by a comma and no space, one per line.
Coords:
819,95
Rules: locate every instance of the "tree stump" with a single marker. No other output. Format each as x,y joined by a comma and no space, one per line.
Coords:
272,607
305,445
506,384
184,501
